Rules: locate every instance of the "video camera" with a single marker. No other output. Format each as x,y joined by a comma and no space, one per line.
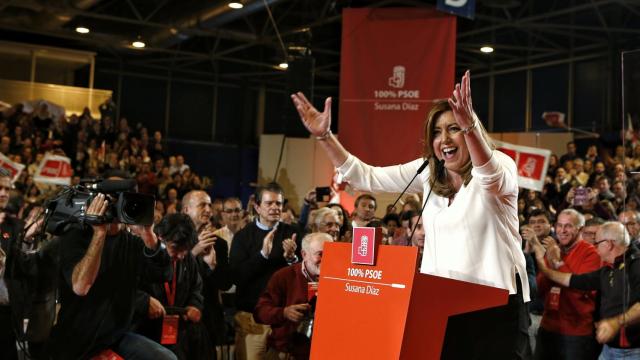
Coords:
70,204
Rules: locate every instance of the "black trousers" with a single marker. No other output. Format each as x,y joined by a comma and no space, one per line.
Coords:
499,333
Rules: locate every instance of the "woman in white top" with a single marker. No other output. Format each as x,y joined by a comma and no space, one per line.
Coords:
471,218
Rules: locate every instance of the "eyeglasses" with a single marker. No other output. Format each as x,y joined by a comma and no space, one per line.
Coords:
330,224
601,241
230,211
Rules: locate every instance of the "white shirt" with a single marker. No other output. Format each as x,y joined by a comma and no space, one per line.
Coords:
476,238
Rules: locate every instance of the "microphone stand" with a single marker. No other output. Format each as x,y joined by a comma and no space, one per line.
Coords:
420,170
415,226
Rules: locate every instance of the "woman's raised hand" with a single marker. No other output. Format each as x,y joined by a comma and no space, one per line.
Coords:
461,102
318,123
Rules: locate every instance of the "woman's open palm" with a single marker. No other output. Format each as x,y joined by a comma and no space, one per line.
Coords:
316,122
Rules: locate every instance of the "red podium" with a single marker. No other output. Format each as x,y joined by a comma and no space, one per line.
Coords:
388,310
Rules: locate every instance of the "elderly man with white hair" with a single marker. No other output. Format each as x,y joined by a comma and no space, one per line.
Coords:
285,301
619,285
325,220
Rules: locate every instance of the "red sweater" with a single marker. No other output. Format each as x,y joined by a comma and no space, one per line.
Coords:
575,312
287,286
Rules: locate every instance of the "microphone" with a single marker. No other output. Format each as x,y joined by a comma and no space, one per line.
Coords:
110,186
420,170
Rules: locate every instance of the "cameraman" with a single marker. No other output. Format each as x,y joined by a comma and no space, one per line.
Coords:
10,228
101,267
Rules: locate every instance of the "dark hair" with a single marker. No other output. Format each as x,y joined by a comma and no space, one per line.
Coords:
5,173
179,229
345,218
411,224
594,221
391,217
230,199
345,213
539,212
408,215
375,223
369,197
271,187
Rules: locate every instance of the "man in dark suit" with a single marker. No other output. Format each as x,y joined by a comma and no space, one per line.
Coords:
257,251
215,277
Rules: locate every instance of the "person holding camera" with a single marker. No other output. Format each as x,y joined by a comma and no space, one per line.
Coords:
285,301
100,268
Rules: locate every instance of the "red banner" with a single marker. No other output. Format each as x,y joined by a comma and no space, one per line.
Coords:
532,163
395,62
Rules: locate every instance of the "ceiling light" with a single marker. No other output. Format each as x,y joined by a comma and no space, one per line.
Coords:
235,5
138,44
82,30
283,65
486,49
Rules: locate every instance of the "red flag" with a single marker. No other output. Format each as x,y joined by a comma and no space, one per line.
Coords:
14,168
532,163
54,169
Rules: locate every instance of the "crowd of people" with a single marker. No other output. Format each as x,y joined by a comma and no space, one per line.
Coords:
216,272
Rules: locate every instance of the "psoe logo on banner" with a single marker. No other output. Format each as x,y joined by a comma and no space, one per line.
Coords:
363,248
530,165
396,98
397,80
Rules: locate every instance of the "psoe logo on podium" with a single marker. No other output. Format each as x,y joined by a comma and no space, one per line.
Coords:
363,248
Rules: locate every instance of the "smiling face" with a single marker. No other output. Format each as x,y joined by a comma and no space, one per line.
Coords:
449,143
312,256
330,225
567,229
